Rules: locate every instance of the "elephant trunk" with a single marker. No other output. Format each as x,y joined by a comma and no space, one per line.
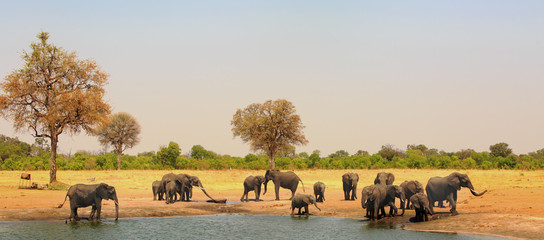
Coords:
402,205
265,183
116,207
476,193
315,204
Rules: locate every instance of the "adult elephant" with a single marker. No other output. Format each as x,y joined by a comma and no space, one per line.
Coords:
253,183
421,206
349,182
287,180
303,200
445,188
171,177
384,178
158,190
171,190
410,188
375,201
82,195
319,191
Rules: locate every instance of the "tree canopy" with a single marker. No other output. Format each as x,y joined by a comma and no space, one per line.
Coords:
121,131
54,92
269,127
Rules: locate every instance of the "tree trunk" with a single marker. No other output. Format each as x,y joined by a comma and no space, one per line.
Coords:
53,159
119,161
272,159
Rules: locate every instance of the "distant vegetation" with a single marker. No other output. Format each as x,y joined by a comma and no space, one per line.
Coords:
17,155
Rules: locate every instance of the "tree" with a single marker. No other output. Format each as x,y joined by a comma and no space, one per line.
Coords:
199,152
121,131
269,127
389,151
500,150
167,155
54,92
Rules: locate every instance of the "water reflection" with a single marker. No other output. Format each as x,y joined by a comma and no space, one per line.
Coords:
217,227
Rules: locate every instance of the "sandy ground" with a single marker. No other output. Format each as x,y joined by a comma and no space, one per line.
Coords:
513,205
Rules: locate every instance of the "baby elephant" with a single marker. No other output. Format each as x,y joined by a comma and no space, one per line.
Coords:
303,200
319,191
421,205
253,183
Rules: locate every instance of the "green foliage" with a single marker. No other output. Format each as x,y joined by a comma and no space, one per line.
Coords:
20,158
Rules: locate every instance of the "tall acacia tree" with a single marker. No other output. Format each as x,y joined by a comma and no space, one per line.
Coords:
269,127
121,131
53,93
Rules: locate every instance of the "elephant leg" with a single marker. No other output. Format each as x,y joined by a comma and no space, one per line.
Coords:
354,193
292,210
73,214
257,190
277,188
292,193
93,211
431,203
346,193
299,209
306,211
453,204
243,195
98,210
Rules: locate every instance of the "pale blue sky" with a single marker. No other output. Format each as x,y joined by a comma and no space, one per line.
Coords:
448,74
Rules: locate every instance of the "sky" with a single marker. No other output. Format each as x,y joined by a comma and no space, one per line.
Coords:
448,74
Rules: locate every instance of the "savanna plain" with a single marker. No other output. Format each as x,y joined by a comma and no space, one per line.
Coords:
513,205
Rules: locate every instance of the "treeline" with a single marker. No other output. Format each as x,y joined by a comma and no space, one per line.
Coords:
17,155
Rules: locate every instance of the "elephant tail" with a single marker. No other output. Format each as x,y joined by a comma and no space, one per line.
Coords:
304,190
63,202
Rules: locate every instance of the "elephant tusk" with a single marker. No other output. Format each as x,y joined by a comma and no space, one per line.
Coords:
203,188
116,203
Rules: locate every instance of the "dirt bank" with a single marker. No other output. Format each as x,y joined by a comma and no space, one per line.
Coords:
512,206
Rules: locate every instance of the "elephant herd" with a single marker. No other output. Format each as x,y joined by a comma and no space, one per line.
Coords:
374,198
173,185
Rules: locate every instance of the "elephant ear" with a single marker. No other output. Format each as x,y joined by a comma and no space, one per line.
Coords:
454,182
307,200
102,190
416,204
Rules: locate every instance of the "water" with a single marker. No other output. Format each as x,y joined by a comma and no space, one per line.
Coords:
218,227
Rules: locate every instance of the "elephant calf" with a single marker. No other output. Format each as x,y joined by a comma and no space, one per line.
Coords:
421,205
158,190
302,200
319,191
349,183
253,183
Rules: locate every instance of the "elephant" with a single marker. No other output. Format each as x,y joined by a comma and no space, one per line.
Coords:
171,189
287,180
421,205
319,191
384,178
375,201
365,199
410,188
445,188
303,200
253,183
349,181
188,182
395,191
82,195
171,177
158,190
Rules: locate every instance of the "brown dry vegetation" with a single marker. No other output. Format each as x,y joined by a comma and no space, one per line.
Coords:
512,206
